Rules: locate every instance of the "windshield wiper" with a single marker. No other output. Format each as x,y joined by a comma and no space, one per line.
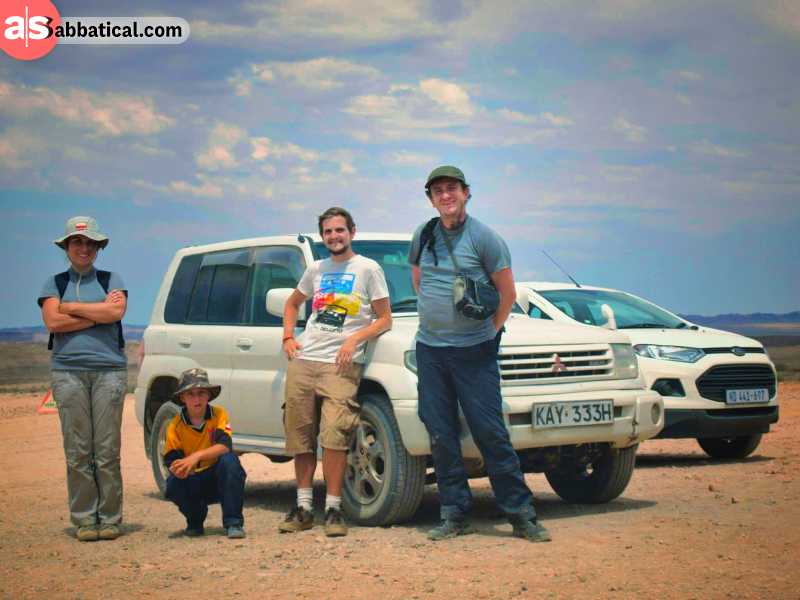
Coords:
404,303
680,325
643,326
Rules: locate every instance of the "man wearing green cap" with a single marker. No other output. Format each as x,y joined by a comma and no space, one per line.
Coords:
457,345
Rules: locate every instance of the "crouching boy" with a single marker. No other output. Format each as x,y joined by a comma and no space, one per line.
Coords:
203,469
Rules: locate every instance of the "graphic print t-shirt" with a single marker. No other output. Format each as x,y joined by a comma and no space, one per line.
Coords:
341,296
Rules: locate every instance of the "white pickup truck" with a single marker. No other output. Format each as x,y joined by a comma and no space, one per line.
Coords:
573,400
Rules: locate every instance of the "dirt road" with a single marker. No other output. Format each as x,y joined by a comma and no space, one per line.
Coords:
687,527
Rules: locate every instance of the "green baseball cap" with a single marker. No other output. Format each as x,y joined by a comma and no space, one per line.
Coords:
85,226
445,171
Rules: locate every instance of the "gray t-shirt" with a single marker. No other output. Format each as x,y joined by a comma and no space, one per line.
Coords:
92,349
342,294
480,251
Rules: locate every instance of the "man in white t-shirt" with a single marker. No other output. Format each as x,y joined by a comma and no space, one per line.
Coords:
350,305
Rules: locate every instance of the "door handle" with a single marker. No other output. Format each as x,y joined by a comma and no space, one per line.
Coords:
185,342
244,343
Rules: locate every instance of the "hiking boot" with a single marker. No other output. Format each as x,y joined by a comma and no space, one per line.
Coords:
108,531
87,533
298,519
530,530
450,528
194,531
235,532
334,523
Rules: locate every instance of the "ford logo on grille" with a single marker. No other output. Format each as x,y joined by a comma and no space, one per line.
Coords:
738,351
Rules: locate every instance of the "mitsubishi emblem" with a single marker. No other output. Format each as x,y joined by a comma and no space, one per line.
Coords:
738,351
558,366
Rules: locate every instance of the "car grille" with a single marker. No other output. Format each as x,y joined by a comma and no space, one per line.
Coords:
713,383
539,364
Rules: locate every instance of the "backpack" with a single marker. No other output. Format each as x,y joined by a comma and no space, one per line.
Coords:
103,278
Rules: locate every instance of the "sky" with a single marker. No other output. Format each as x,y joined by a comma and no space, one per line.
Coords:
649,146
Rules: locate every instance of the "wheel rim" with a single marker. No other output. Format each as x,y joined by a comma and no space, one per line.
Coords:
366,464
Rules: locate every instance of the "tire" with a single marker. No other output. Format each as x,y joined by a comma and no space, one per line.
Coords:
383,483
157,438
731,447
597,482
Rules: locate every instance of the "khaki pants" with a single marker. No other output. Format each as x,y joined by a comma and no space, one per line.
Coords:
90,408
320,401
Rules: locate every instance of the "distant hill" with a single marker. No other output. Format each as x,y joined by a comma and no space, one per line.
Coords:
755,324
39,334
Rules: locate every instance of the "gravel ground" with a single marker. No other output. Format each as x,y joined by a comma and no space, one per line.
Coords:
686,527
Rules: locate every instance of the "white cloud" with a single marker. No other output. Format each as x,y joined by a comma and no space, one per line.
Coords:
706,148
108,114
409,159
319,74
264,148
219,152
630,131
206,189
20,149
451,97
690,75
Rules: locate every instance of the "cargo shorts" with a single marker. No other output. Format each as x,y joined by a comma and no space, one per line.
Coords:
320,402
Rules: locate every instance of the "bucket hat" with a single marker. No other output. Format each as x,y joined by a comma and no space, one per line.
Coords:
195,379
85,226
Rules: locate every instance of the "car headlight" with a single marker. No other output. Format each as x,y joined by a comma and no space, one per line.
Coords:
410,360
625,363
676,353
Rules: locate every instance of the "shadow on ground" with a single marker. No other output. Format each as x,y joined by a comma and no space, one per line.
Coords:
647,461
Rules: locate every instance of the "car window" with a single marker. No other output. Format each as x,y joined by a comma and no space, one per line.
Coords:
177,305
219,289
273,268
585,306
537,313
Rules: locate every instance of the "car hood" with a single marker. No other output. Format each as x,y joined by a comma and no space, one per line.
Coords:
690,338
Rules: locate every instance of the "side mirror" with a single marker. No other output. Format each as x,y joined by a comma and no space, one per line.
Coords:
608,313
276,302
522,299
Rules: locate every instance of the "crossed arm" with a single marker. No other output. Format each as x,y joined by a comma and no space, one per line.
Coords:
62,317
185,466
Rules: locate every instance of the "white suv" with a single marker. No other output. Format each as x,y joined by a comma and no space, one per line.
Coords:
718,387
573,400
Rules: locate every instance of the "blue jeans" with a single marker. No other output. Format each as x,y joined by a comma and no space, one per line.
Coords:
469,377
223,482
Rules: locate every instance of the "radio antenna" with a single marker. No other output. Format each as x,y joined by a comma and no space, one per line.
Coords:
552,260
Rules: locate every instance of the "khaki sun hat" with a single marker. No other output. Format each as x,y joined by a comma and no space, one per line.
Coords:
85,226
193,379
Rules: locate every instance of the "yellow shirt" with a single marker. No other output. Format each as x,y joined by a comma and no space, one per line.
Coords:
184,439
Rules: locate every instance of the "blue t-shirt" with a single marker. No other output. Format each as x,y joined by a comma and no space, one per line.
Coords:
92,349
480,251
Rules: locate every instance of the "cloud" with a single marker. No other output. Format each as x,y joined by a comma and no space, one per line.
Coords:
206,189
690,75
319,74
264,148
20,149
630,131
706,148
404,158
105,114
219,152
451,97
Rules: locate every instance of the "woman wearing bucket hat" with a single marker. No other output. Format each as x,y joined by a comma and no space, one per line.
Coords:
83,308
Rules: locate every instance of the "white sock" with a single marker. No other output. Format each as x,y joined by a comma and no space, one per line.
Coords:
333,502
305,498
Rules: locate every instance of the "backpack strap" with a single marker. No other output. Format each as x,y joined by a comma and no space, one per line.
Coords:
426,239
104,279
62,281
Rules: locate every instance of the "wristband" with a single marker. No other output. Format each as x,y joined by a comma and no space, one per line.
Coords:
288,337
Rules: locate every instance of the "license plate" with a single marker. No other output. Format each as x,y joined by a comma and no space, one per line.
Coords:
746,396
572,414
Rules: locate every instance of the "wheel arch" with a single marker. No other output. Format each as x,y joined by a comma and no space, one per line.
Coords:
159,391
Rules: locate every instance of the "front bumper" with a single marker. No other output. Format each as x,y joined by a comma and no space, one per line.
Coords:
698,423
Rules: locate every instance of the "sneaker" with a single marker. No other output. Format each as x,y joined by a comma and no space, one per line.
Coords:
298,519
530,530
87,533
450,528
194,531
108,531
334,523
235,532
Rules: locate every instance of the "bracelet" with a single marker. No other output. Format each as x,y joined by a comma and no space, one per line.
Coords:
288,337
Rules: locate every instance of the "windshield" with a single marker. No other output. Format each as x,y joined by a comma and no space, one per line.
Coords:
392,256
630,313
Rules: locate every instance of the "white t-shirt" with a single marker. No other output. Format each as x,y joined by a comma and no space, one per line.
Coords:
342,294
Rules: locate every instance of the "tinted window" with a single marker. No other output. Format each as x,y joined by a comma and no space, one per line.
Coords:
537,313
273,268
630,312
219,289
181,291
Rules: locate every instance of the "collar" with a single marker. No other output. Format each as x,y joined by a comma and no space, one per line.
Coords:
73,274
185,417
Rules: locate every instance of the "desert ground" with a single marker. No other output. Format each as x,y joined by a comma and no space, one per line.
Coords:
686,527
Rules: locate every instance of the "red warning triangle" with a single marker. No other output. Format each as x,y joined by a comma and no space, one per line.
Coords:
48,404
